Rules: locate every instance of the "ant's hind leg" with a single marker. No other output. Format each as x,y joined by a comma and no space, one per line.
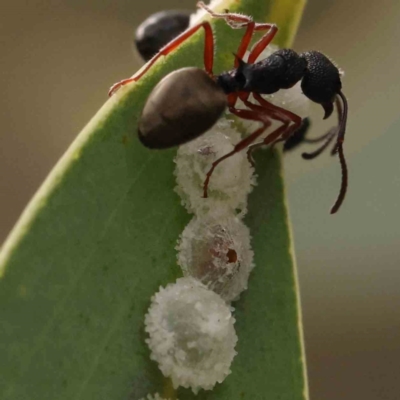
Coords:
237,21
208,54
262,43
246,39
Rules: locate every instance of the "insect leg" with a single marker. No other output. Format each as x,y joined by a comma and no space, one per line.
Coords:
237,21
208,54
245,114
279,114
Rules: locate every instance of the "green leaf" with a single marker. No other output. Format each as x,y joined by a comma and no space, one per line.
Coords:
97,240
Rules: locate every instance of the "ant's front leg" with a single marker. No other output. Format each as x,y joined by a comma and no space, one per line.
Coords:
280,113
298,137
277,113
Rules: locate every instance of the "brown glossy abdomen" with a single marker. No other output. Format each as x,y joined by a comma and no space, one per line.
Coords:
185,104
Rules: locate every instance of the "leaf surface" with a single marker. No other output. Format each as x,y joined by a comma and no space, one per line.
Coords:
98,239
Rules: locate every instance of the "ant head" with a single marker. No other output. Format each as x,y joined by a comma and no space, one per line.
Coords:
321,81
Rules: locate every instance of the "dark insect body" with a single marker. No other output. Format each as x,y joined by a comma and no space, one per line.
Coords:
298,137
187,102
158,30
164,125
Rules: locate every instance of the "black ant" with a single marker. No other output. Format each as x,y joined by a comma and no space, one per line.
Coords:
187,102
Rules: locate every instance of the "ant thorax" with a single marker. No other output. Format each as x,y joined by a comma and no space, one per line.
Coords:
280,70
291,99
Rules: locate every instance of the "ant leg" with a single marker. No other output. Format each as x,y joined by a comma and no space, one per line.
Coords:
232,97
259,46
281,112
331,134
245,114
319,138
298,137
328,137
208,53
237,21
273,115
272,138
244,44
278,113
256,113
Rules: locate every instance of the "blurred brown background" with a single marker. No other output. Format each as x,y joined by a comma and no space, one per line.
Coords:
58,60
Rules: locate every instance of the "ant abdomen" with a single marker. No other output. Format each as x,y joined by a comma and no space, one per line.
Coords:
183,105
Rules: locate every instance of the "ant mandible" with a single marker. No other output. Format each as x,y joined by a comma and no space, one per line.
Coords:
189,101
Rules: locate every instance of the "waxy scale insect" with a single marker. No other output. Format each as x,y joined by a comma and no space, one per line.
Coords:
187,102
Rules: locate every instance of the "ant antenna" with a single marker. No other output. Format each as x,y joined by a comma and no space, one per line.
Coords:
339,149
337,131
343,187
343,122
328,136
